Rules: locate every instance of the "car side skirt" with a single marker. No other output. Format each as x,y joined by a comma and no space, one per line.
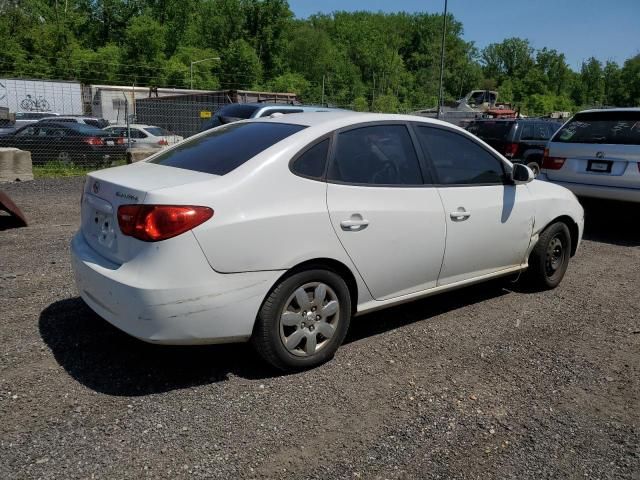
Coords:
374,305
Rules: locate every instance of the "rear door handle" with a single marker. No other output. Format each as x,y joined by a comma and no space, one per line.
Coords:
355,223
460,215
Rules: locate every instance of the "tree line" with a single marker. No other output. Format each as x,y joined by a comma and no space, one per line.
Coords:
360,60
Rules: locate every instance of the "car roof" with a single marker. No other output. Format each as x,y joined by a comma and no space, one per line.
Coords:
345,118
73,126
132,125
597,110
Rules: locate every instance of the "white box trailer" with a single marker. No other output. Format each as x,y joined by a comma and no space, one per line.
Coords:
60,97
113,102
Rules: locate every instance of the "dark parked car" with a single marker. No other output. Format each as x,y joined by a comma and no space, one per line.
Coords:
69,143
521,140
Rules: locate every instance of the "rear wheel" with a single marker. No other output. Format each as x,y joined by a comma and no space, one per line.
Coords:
64,158
303,320
549,259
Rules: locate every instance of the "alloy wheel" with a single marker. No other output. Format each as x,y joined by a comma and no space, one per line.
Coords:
309,319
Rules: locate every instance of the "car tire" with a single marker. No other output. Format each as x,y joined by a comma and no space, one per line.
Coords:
295,331
65,158
535,168
549,259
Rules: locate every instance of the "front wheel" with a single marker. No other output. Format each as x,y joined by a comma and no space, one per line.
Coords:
549,259
303,320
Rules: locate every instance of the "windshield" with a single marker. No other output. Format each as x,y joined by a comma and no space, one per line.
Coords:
224,149
614,127
490,130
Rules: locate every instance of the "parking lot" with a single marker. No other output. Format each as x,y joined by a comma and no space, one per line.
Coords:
485,382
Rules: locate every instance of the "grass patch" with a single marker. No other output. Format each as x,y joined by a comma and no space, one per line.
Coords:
59,170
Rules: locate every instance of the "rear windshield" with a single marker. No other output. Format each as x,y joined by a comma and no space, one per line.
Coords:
602,127
490,130
226,148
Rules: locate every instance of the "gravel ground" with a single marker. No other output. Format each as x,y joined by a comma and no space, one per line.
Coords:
480,383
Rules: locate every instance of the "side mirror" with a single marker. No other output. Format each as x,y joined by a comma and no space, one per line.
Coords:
521,174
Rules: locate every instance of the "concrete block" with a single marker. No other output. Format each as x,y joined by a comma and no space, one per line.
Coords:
137,154
15,165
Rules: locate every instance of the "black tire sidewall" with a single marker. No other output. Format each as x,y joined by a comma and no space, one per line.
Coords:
551,232
268,326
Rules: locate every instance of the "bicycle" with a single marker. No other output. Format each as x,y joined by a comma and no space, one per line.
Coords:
37,104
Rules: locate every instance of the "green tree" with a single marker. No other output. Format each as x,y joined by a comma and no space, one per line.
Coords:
241,66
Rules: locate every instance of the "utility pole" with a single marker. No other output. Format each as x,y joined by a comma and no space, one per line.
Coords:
199,61
444,31
322,101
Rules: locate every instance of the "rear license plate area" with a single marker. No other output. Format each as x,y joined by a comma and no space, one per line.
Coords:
599,166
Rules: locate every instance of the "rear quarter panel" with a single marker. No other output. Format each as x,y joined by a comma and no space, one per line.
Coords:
265,217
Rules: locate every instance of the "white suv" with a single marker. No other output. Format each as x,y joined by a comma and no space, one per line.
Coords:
597,154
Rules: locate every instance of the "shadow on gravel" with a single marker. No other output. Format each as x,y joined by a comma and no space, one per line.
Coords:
395,317
617,223
109,361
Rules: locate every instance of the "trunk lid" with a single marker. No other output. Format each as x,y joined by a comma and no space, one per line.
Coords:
105,190
596,164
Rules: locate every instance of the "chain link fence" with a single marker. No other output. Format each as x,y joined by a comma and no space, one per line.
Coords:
66,124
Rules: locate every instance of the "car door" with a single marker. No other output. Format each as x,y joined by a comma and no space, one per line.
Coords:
489,220
388,219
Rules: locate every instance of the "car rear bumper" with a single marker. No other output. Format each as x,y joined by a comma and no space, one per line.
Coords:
213,308
598,191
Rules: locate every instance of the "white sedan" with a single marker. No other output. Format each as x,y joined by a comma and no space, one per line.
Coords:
145,136
279,230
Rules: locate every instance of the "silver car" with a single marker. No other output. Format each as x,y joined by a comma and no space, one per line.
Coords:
597,154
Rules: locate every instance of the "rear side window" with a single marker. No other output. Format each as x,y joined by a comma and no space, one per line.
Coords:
312,162
459,160
224,149
612,127
490,130
534,131
156,131
376,155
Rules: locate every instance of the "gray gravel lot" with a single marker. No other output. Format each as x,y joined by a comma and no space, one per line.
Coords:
485,382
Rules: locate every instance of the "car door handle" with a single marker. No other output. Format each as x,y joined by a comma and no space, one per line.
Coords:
459,215
354,224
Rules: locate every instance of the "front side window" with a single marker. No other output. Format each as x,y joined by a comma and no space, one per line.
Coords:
312,162
376,155
224,149
458,160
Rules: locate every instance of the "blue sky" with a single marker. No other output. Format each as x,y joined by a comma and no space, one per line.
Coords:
607,30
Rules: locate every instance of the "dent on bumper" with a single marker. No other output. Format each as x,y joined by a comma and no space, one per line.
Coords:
213,308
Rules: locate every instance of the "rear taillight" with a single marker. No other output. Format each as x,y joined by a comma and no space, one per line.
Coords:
120,141
552,163
163,142
510,150
94,141
152,223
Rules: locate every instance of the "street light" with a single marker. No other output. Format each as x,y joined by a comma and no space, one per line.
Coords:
199,61
444,30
